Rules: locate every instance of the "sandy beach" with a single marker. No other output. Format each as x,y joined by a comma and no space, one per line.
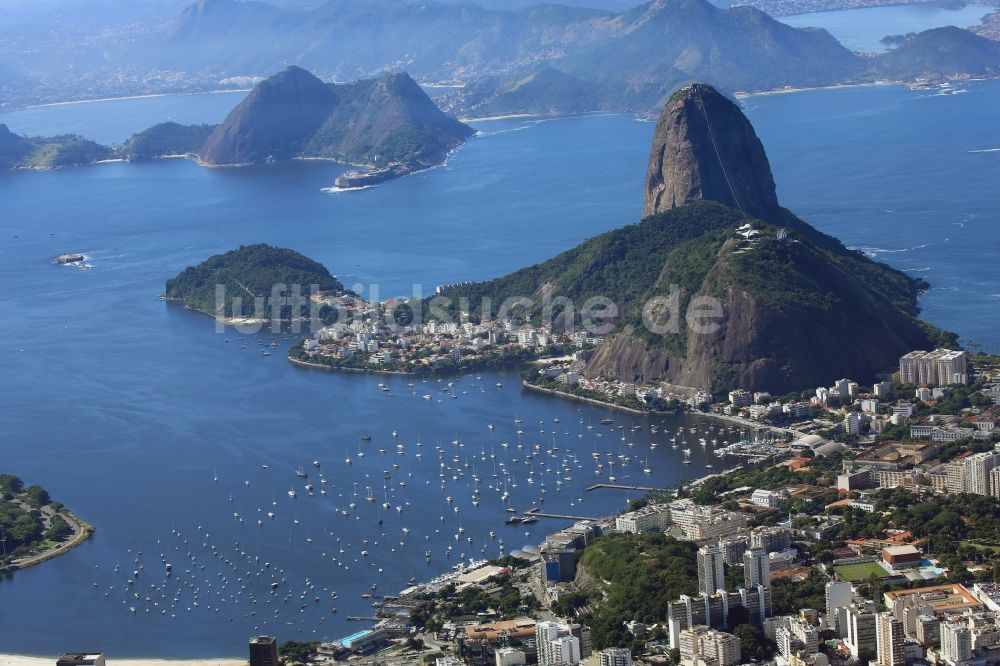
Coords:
19,660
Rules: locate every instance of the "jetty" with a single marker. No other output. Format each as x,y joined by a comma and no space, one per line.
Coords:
538,513
618,486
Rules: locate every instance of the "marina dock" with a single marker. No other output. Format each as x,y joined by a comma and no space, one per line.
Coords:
538,513
618,486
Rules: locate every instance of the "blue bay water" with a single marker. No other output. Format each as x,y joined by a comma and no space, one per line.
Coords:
863,29
125,407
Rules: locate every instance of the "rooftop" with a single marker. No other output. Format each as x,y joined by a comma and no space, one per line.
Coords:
941,598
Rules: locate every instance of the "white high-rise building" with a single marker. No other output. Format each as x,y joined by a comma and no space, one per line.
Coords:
710,645
852,423
711,576
956,642
564,650
556,644
976,468
615,657
838,598
756,568
508,656
908,372
940,367
995,482
796,637
545,633
721,647
889,636
860,629
843,387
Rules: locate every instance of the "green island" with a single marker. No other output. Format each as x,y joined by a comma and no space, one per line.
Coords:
247,275
33,528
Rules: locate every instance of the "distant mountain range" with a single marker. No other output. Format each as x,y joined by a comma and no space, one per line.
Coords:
382,122
557,59
618,57
797,308
649,51
614,57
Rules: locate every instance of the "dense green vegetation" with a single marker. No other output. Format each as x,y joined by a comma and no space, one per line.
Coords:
386,120
645,572
19,152
503,601
940,52
797,292
165,139
546,91
295,652
249,273
22,523
623,264
771,476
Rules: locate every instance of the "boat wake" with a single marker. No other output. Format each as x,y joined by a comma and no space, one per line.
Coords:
333,189
986,150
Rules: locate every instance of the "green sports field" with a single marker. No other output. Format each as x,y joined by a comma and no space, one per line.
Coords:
856,572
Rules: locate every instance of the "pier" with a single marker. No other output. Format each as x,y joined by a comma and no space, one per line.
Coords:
618,486
538,513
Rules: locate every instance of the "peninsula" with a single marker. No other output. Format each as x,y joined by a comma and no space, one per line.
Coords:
792,307
23,152
34,527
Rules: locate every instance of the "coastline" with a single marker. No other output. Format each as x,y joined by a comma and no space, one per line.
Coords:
591,401
82,531
834,86
401,373
832,10
30,660
713,415
330,368
126,97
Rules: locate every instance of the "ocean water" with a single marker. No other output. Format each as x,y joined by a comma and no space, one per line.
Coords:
863,29
127,408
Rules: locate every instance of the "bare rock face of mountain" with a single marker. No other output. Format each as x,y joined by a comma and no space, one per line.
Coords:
275,120
704,148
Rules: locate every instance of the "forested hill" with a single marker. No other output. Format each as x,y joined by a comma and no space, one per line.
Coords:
798,308
248,272
23,152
